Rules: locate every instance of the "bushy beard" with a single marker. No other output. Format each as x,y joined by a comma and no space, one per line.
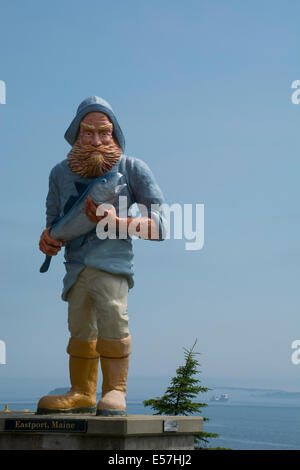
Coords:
90,162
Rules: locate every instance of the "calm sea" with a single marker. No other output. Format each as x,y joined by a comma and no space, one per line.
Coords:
240,427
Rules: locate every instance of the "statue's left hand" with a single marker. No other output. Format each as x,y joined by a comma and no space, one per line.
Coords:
91,209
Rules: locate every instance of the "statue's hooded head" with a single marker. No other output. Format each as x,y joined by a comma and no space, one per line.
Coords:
96,138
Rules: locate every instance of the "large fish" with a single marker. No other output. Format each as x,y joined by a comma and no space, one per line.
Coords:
75,223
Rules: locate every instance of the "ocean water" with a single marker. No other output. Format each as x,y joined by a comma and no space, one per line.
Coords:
254,427
240,426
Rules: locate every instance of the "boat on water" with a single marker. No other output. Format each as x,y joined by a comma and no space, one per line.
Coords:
220,398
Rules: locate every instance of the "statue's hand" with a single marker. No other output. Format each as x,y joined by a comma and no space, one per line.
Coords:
48,245
91,209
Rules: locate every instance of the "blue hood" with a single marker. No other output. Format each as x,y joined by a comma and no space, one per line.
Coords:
89,105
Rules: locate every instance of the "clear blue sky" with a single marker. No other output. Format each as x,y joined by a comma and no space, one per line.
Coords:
202,92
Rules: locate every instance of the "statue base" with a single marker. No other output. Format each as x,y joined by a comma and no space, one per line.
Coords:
29,431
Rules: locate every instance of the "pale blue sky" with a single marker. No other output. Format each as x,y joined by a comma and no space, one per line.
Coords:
202,92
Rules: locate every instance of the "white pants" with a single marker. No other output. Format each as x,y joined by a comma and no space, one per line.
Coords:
98,305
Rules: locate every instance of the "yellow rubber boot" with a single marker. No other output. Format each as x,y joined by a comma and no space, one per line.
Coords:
114,358
84,362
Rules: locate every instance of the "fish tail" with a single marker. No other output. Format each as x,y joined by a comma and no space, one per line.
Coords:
45,266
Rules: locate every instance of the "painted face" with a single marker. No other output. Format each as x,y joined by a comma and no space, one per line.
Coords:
96,130
95,150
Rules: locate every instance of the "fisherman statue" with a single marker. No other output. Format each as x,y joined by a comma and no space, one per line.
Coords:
89,191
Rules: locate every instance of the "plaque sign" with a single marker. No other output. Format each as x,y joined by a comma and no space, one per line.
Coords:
46,425
170,425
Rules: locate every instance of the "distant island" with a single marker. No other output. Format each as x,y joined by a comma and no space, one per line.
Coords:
63,390
256,393
59,391
280,394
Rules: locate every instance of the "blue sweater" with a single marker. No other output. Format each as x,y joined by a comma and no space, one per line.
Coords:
111,255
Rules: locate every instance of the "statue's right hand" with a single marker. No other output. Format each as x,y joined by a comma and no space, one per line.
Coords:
48,245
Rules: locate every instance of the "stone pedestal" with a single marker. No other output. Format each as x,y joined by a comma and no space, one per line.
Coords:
19,430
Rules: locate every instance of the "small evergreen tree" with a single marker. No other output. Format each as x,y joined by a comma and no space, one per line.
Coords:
177,399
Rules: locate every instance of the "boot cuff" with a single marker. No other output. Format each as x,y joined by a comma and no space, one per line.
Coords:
115,348
82,348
